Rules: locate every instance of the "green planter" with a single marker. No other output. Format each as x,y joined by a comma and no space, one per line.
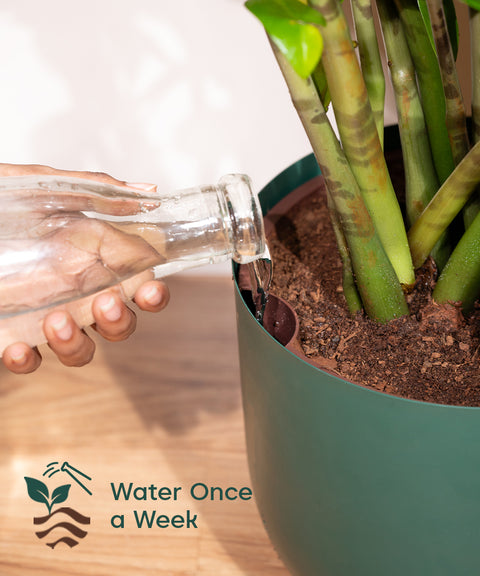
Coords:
350,481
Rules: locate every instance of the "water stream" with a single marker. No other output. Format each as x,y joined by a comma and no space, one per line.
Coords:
260,271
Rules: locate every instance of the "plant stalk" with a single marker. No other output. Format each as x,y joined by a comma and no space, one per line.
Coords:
430,85
475,41
370,60
456,118
350,292
460,279
421,182
360,138
446,204
376,281
420,176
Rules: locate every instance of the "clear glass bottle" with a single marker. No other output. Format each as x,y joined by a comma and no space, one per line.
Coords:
64,240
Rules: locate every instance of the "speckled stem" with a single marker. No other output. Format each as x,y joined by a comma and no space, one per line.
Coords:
360,138
446,204
475,42
430,84
370,60
376,281
456,119
460,279
421,182
420,175
455,109
350,292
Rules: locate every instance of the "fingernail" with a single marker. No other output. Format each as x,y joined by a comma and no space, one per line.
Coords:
142,186
153,296
17,354
109,307
61,326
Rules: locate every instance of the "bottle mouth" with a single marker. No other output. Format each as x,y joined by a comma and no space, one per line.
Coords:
247,229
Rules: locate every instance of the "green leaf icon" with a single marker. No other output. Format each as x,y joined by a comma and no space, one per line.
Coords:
37,491
60,494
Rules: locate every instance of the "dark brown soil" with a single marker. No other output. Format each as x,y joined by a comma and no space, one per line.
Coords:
433,355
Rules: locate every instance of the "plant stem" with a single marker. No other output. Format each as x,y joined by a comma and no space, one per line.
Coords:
360,138
421,182
371,62
446,204
475,40
350,292
377,283
460,279
473,206
455,109
430,85
420,176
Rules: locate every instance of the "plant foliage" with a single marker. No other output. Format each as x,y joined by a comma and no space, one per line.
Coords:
293,27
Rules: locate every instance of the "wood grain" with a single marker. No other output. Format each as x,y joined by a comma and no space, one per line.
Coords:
163,408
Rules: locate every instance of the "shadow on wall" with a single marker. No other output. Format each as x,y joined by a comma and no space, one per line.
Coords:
144,90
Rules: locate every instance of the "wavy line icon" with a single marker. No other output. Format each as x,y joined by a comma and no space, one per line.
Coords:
80,518
67,519
66,540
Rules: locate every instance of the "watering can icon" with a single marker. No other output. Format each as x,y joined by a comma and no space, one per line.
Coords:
74,473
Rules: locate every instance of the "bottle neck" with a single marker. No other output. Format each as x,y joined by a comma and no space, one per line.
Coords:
245,220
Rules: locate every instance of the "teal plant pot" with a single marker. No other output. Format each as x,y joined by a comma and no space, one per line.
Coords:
350,481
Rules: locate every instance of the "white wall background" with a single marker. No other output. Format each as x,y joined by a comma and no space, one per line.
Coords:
176,93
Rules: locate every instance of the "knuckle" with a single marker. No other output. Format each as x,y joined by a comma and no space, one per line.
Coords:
80,356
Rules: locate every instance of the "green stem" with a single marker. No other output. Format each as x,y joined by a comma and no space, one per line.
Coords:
371,62
456,119
377,283
475,42
420,176
350,292
360,138
473,206
446,204
430,85
460,279
421,182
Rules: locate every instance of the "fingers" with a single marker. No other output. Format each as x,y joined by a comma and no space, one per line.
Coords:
76,199
31,169
113,319
152,296
71,345
19,358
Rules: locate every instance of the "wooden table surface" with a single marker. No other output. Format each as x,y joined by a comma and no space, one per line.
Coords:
162,409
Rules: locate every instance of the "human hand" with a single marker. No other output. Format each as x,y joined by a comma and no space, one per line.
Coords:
113,319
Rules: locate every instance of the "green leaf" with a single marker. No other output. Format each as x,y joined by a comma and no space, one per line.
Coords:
472,3
37,491
293,26
451,18
60,494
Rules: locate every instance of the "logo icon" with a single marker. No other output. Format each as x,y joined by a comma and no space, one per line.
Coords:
64,524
